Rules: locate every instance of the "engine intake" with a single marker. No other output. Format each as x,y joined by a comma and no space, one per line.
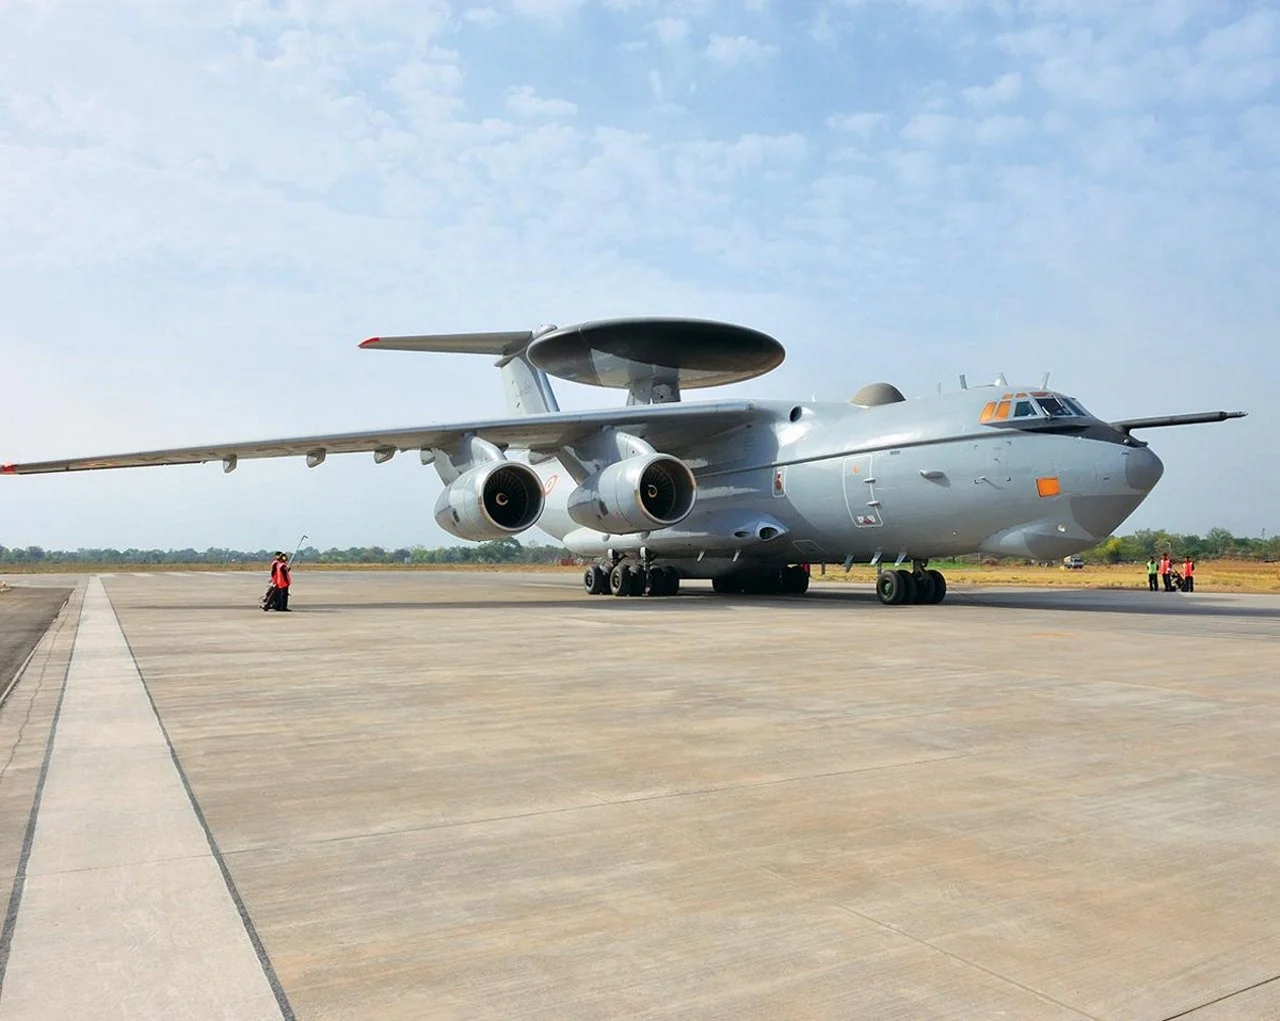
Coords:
496,499
635,495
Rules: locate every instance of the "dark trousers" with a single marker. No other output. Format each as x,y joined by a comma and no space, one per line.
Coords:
1188,583
1168,582
282,599
1151,580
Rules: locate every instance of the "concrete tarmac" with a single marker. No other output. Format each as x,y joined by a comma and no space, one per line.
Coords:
490,796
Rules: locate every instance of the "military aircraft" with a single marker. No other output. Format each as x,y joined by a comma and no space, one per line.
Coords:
747,493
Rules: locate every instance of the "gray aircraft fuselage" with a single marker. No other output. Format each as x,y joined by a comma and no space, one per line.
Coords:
909,480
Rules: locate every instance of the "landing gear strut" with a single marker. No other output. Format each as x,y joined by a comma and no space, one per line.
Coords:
919,585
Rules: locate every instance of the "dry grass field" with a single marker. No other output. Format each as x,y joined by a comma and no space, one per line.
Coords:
1211,575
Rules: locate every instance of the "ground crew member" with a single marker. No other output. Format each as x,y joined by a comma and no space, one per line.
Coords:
280,578
1189,575
1152,570
1166,571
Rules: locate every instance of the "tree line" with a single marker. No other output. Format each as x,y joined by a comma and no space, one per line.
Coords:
496,551
1217,544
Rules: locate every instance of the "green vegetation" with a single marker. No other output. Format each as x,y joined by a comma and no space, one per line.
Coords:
496,551
1218,544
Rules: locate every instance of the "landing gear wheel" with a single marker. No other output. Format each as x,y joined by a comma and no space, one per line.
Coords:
910,595
924,587
672,585
595,579
894,587
726,585
620,580
655,579
795,581
939,588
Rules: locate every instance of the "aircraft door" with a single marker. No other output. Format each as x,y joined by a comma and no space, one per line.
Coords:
860,492
998,463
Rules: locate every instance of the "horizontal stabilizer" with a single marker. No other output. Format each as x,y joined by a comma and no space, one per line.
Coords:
503,344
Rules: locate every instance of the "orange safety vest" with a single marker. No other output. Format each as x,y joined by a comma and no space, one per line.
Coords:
1188,569
280,574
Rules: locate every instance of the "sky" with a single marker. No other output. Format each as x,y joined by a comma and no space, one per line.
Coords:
206,204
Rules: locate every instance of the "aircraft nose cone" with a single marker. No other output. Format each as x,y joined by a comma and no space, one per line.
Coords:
1142,469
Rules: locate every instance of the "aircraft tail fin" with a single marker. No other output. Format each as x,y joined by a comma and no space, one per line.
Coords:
527,388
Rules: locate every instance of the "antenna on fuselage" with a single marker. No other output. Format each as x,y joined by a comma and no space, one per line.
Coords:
1000,380
964,383
1044,381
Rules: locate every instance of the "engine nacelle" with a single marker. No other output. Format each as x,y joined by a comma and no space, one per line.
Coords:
497,499
635,495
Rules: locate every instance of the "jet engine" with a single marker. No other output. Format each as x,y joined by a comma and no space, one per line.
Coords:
635,495
497,499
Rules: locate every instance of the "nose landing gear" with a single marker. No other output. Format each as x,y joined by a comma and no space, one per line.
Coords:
919,585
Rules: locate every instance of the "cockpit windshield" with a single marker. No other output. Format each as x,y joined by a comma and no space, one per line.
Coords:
1027,408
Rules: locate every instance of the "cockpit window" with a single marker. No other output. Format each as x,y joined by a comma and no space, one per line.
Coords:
1022,407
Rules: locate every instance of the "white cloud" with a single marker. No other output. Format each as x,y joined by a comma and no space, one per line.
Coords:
1004,89
545,9
670,31
1000,128
485,17
930,129
855,123
731,50
524,101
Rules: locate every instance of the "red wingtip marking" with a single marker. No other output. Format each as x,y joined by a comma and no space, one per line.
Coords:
371,341
8,469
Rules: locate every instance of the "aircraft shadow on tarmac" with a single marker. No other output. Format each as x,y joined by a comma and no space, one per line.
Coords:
1086,600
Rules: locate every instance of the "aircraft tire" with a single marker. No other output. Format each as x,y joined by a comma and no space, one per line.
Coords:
924,587
639,581
620,580
726,585
891,588
595,579
655,582
795,581
672,586
910,594
939,591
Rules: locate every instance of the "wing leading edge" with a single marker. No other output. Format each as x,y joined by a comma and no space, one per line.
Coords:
668,427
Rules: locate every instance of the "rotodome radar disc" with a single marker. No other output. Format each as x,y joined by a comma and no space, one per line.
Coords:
685,352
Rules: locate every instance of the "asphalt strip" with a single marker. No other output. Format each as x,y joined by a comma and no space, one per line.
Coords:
125,907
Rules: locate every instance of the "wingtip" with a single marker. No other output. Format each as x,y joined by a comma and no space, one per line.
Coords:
371,342
8,469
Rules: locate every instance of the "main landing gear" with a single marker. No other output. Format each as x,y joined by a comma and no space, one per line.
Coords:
919,585
792,580
625,579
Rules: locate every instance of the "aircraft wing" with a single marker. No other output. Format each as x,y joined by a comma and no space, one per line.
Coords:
669,427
